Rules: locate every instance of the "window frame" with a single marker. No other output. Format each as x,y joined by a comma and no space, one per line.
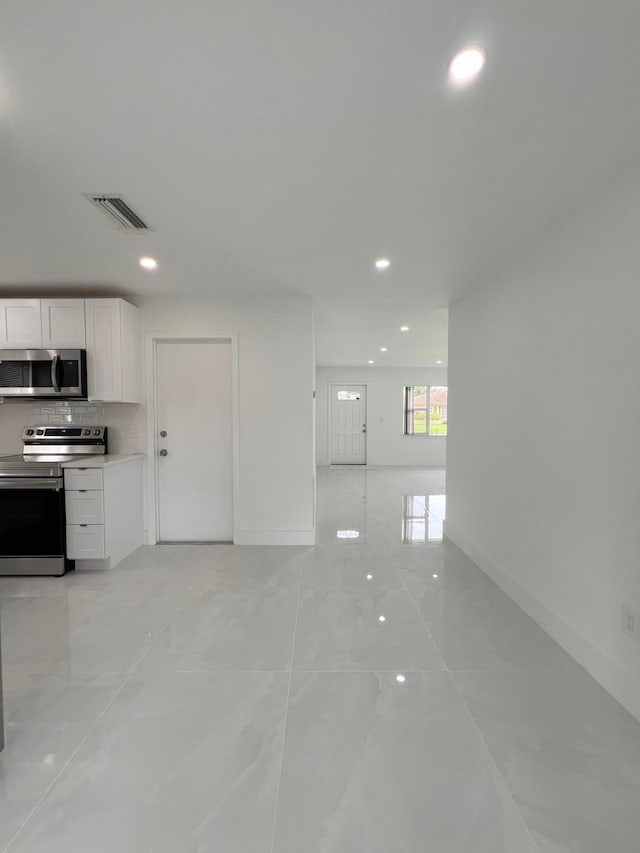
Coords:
409,410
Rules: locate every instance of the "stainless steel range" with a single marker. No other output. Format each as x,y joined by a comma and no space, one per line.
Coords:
32,517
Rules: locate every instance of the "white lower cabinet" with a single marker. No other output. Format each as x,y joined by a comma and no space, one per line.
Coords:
104,513
85,542
84,507
83,479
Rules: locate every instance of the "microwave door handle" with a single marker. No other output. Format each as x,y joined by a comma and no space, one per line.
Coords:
54,373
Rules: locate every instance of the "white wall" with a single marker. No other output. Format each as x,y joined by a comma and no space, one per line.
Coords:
386,445
543,468
275,405
276,378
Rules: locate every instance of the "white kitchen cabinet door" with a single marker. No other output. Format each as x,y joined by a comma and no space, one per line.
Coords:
104,368
83,479
84,507
113,351
85,542
63,324
20,324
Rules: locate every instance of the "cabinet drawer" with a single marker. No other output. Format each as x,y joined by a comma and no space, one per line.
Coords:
85,542
83,479
84,507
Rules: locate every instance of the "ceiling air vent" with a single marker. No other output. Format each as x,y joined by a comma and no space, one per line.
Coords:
119,212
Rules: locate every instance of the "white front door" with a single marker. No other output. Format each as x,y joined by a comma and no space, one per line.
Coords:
194,423
348,439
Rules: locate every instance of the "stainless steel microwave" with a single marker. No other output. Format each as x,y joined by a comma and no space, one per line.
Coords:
48,373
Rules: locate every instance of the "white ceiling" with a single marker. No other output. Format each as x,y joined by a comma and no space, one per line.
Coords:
282,146
347,335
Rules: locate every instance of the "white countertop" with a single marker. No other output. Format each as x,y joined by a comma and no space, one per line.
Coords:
105,461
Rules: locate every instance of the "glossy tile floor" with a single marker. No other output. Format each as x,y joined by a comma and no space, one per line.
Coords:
375,694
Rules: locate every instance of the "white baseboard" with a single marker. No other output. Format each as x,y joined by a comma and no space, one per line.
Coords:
275,537
263,537
622,685
93,565
373,467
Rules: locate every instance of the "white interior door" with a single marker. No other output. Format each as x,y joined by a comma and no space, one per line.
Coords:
348,439
194,410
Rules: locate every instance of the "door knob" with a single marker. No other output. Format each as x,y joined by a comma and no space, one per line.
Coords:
163,452
364,429
163,433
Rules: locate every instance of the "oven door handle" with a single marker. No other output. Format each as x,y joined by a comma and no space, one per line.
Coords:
52,484
54,373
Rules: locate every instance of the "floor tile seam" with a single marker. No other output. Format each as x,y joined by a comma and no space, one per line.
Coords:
507,669
380,669
6,597
492,759
54,781
286,713
127,677
424,622
398,570
365,590
208,671
475,726
13,673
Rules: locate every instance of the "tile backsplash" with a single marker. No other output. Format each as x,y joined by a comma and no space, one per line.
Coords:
126,421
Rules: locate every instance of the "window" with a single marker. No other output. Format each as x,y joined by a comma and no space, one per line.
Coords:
425,409
348,395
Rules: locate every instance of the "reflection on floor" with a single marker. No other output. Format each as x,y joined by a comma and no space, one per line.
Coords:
375,693
423,518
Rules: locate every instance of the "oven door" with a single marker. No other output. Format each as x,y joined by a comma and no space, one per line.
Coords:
43,373
32,526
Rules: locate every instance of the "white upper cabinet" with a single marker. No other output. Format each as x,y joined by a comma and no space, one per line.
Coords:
63,324
20,324
108,329
113,351
42,324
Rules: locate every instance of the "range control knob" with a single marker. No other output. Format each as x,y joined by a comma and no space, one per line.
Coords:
28,432
40,432
86,432
96,432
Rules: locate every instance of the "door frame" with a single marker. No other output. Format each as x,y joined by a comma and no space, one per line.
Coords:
152,504
331,386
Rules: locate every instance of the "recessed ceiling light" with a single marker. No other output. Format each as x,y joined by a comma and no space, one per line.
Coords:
382,618
370,361
383,263
369,577
148,263
401,679
383,349
467,64
404,328
439,361
434,576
